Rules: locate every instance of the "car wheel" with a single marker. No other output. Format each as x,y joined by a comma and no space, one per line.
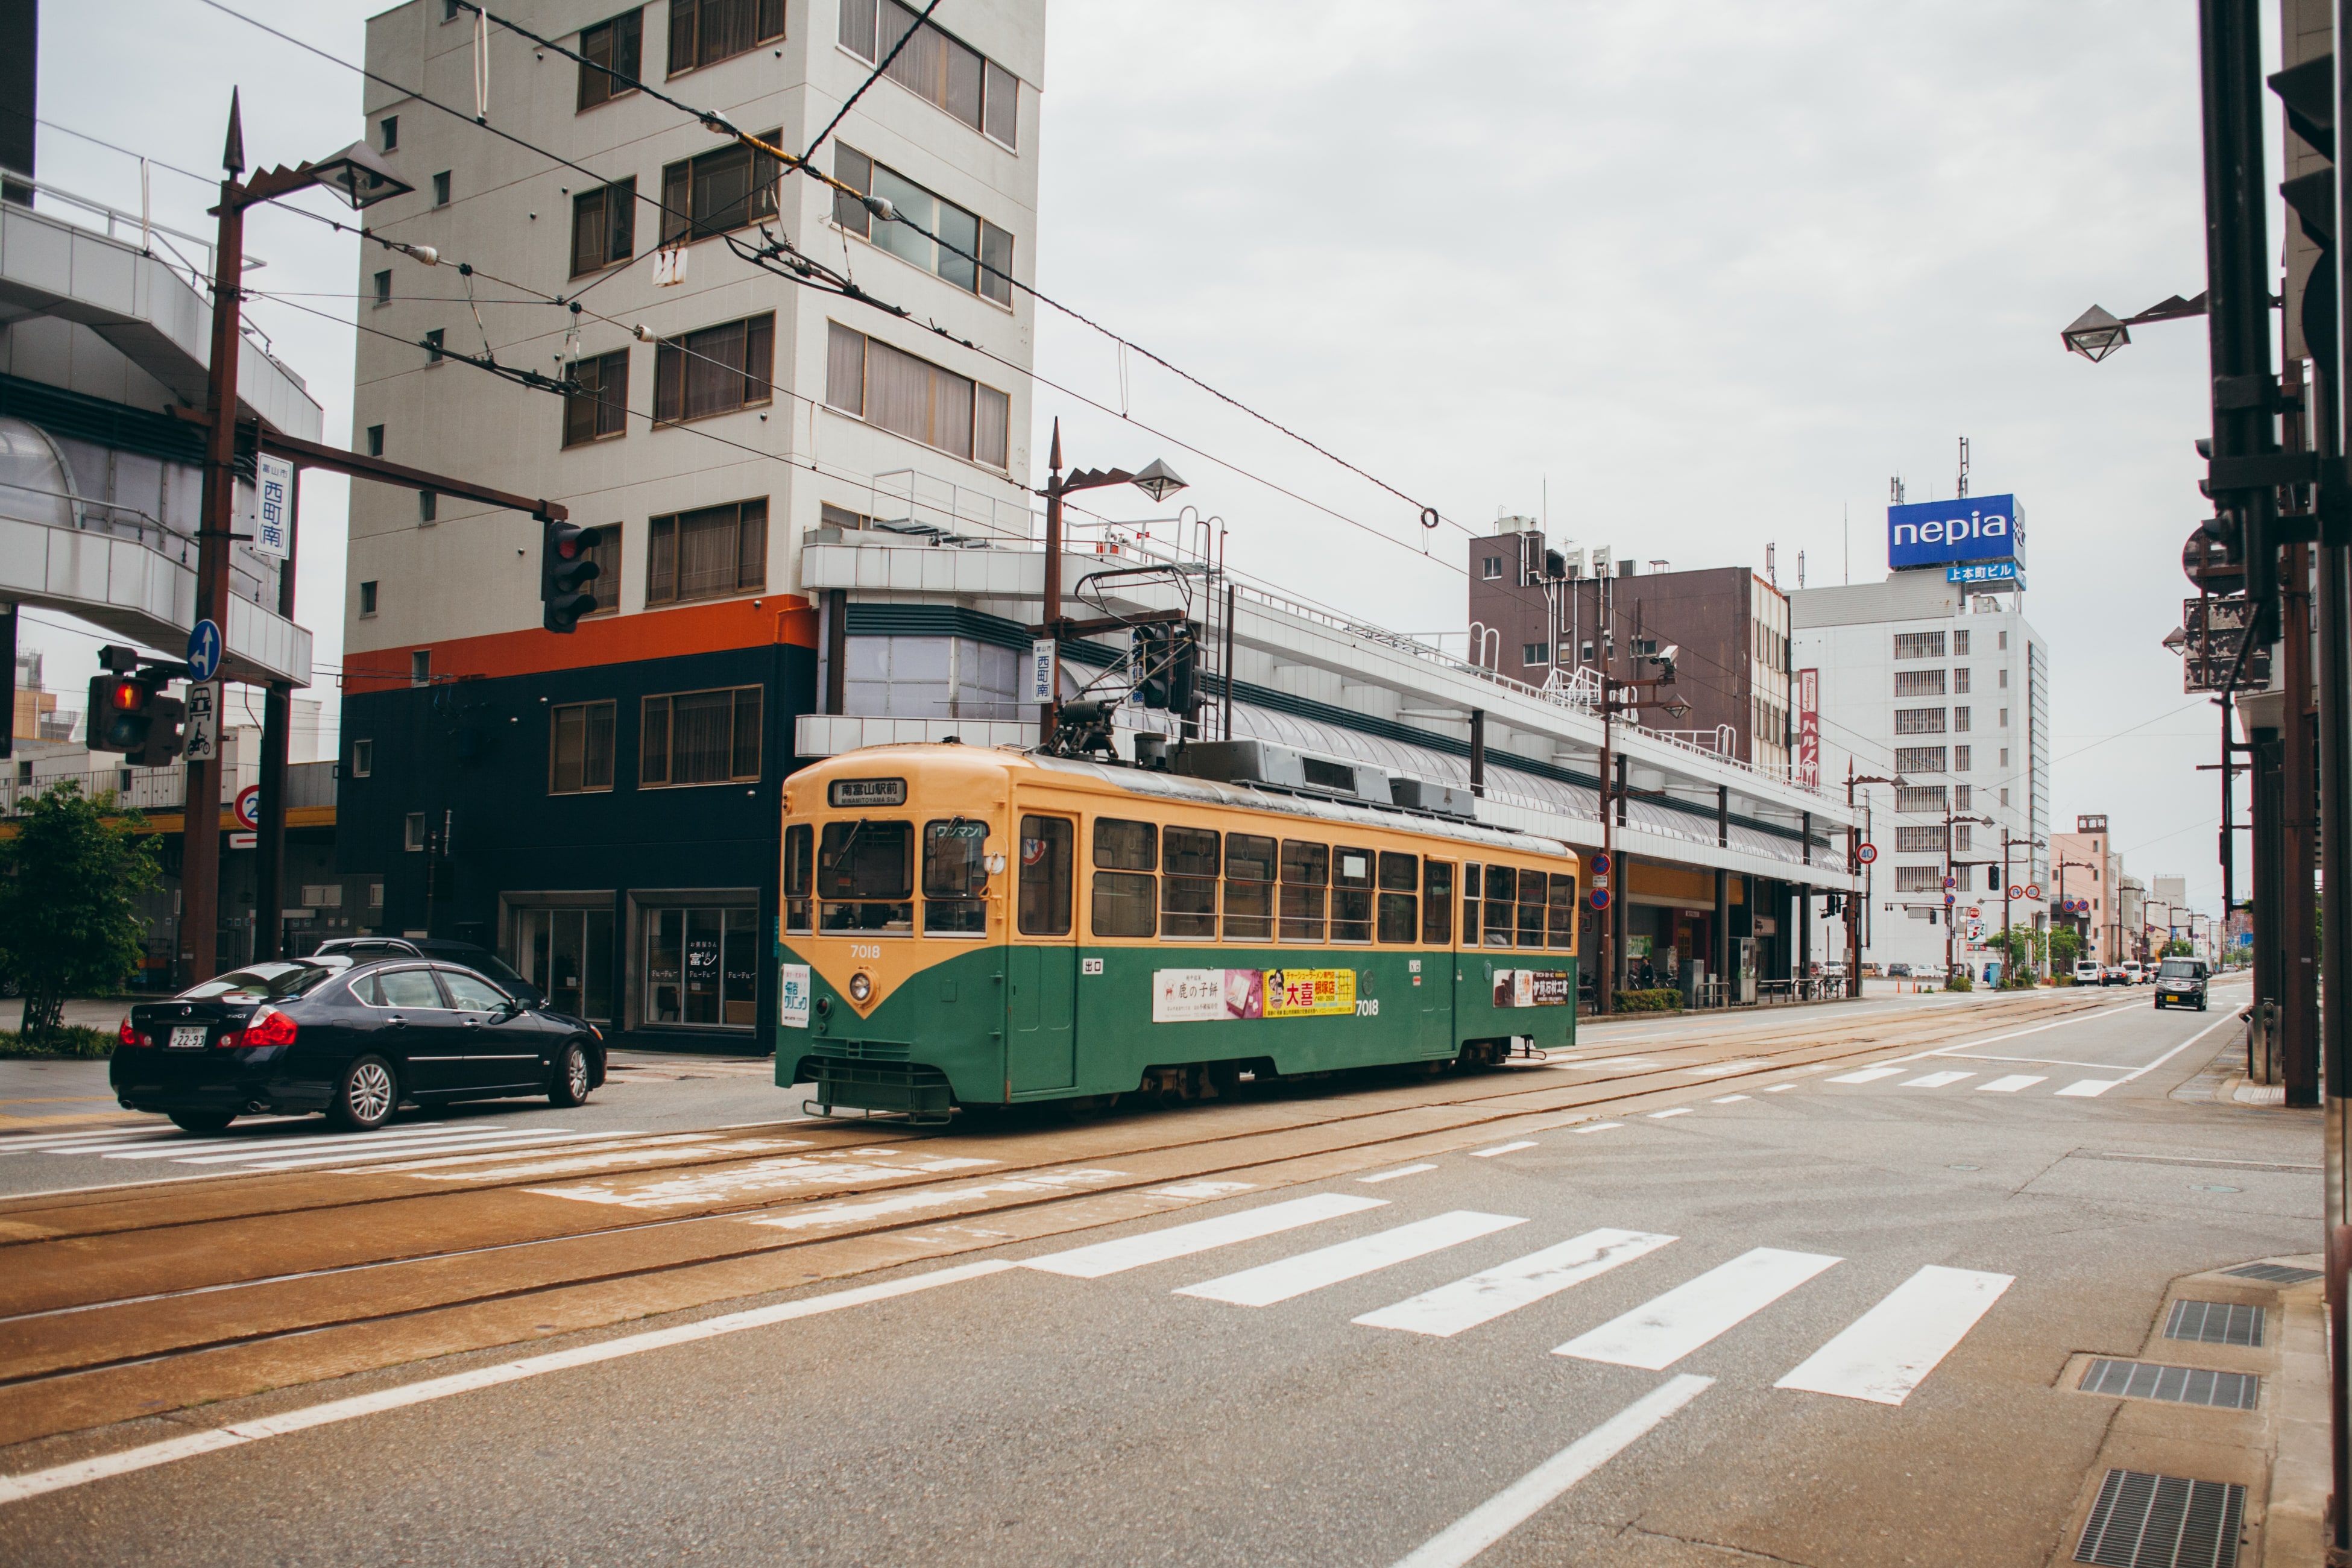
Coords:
2159,1006
202,1121
368,1094
570,1085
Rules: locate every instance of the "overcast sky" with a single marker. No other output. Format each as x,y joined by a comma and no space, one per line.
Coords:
1684,279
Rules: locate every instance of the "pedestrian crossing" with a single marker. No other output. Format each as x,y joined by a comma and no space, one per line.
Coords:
1983,1083
1881,1357
441,1150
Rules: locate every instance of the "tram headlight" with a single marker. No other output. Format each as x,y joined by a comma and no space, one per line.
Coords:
860,987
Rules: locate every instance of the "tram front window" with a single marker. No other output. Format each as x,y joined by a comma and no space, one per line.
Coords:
955,874
865,877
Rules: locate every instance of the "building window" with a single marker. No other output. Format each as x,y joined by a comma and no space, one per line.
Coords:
388,132
1961,794
963,237
610,49
375,441
420,667
1918,721
441,189
428,507
383,286
1918,759
599,409
701,966
1919,878
1918,645
606,585
1959,718
414,835
1919,841
916,399
604,226
731,188
708,554
1960,681
1960,644
1960,759
1919,683
2005,797
715,370
832,516
1920,797
701,737
568,954
1535,652
362,759
2005,718
936,67
580,747
704,32
2004,641
367,598
1491,567
432,340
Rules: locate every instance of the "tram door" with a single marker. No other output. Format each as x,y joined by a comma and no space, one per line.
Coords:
1042,966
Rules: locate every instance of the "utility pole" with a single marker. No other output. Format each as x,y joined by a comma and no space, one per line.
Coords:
1951,880
1157,481
1613,795
1853,844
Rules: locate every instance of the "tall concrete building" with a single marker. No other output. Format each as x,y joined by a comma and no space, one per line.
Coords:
727,413
2086,868
1934,676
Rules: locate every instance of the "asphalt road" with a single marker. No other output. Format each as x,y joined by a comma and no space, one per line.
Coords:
1609,1309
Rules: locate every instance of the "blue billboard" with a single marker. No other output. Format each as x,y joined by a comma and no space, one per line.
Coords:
1938,533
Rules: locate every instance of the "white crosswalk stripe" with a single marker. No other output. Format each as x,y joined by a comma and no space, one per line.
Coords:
1935,1080
1868,1075
2011,1084
404,1146
1667,1328
2088,1089
1200,1235
1883,1355
1295,1276
1486,1296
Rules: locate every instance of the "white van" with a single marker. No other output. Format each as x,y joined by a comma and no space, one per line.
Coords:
2086,971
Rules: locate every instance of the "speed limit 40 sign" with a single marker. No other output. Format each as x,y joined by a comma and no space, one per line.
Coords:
1866,853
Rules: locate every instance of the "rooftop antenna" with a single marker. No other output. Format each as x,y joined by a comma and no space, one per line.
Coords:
1894,490
1846,528
1800,570
1963,492
1771,564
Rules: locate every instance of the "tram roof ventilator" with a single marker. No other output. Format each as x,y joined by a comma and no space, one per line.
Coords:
1286,768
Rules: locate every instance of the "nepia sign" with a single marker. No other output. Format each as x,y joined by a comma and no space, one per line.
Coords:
1938,533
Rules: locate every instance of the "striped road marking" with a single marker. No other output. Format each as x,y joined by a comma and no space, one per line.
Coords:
1201,1235
1400,1171
1884,1353
2013,1083
1483,1297
1868,1075
1502,1149
2088,1089
1675,1110
1663,1331
1936,1080
1280,1282
1600,1127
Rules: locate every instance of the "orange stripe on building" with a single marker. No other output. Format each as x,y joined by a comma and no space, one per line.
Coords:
605,640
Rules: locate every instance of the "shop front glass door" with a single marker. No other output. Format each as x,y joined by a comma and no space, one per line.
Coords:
700,968
568,954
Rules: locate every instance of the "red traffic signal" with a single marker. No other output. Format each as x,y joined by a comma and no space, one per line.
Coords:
566,567
119,716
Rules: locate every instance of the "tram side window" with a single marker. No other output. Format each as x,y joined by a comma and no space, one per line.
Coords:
1249,888
1471,883
800,842
1437,904
1045,877
1351,895
1399,876
955,874
865,877
1531,908
1502,891
1188,887
1563,910
1305,872
1126,896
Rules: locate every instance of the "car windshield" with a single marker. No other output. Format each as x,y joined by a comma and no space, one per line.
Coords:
259,982
496,968
2179,969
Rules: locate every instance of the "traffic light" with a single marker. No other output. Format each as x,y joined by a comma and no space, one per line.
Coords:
1149,656
165,733
565,570
120,716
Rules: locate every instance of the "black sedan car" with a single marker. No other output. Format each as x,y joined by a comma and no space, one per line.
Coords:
356,1041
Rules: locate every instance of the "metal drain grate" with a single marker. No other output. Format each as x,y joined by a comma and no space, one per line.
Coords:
2163,1521
2181,1384
2217,1322
2273,1273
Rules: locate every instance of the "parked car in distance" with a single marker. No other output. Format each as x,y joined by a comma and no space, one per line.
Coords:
474,958
355,1040
2131,969
1898,971
2086,971
2181,982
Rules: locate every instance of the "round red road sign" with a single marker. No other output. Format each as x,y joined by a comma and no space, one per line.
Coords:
1866,853
2033,890
249,807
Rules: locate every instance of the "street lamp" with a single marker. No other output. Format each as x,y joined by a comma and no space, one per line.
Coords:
1156,480
2097,332
362,179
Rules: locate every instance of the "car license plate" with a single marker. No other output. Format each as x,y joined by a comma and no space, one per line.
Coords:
188,1037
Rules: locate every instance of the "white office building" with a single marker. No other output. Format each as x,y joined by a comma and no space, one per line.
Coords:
1945,686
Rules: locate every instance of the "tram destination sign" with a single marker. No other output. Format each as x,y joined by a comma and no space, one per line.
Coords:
866,792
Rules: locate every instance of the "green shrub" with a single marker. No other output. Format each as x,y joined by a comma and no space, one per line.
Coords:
1958,983
1657,1001
66,1040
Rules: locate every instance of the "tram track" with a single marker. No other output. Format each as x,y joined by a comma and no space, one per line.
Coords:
107,1347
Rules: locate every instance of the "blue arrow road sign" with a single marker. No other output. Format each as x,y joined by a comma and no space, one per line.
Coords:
203,651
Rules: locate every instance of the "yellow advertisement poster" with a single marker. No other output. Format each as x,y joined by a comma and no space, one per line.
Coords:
1307,993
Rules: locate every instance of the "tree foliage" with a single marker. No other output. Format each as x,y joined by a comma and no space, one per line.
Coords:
2065,946
71,877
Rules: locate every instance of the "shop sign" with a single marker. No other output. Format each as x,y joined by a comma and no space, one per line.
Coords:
701,961
1209,996
1937,533
1533,989
793,996
1307,993
1809,728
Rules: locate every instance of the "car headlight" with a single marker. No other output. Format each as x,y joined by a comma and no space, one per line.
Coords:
860,987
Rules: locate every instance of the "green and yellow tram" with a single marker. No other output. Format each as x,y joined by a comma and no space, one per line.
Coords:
967,927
